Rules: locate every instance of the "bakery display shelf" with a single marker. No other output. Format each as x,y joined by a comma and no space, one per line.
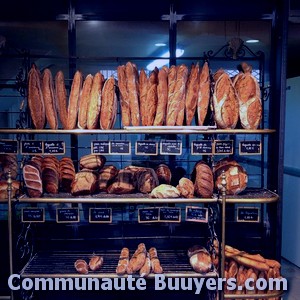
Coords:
140,130
273,295
61,265
110,198
252,196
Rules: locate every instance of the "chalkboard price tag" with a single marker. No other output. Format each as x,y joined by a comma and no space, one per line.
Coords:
120,147
8,147
170,214
35,215
100,215
100,147
146,148
148,215
67,215
54,147
250,148
171,147
248,214
223,147
204,147
32,147
196,214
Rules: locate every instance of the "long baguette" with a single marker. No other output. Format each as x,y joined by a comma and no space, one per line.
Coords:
49,99
61,98
125,107
84,101
143,87
95,101
35,98
74,100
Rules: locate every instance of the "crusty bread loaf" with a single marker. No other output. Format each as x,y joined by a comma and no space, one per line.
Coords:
95,262
35,98
84,101
95,101
248,93
123,262
192,94
84,183
162,97
177,96
123,184
133,93
202,176
61,98
66,174
92,162
137,260
225,102
74,100
108,111
8,162
15,185
33,180
163,173
155,262
143,88
186,188
105,176
165,191
201,261
124,96
203,94
145,180
49,99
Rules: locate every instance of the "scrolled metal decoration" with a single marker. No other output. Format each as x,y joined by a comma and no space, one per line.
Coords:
24,245
27,294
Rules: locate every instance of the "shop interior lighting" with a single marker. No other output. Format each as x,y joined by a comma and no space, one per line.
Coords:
252,41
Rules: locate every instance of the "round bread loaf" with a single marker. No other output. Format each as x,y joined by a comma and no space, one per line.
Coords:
164,174
201,261
186,188
202,176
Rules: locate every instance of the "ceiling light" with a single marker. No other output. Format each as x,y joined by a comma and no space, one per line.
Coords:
161,62
160,44
252,41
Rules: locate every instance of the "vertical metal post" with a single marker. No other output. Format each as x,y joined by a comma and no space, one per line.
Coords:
10,231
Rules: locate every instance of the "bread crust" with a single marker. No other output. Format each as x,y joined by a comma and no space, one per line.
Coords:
143,88
61,98
125,107
84,101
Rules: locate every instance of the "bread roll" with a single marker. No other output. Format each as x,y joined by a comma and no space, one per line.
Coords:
192,94
225,102
165,191
123,262
35,98
84,101
74,100
133,93
124,96
81,266
66,174
162,97
137,260
203,94
202,176
155,262
186,188
248,93
164,174
108,111
95,101
61,98
95,262
49,99
146,268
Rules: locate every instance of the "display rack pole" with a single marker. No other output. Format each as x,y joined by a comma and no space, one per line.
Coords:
223,239
10,233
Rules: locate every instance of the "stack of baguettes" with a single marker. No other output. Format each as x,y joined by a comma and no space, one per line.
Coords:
169,96
92,102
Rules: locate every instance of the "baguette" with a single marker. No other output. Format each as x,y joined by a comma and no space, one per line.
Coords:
151,98
133,96
125,107
143,88
123,262
192,94
108,109
95,101
203,94
84,101
35,99
49,99
74,100
61,98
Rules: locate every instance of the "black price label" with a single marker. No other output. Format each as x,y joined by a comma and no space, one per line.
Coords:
248,214
146,147
67,215
8,147
204,147
224,147
54,147
170,214
196,214
36,215
149,214
100,215
120,147
32,147
250,148
171,147
100,147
